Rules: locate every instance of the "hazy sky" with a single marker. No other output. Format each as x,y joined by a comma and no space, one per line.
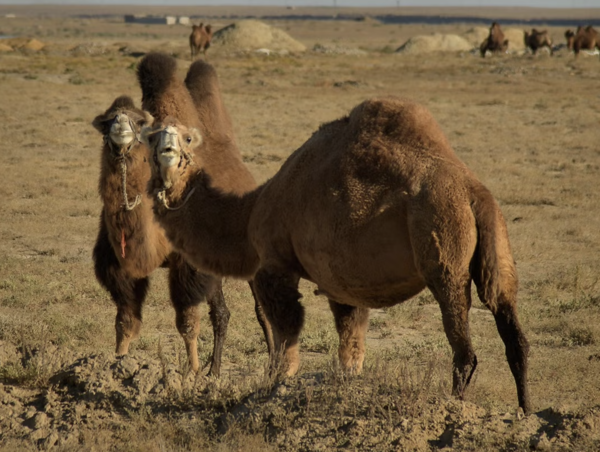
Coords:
338,3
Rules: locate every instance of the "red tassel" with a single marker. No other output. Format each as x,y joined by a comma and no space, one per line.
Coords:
123,244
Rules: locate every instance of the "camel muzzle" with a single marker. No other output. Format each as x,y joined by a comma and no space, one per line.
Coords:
122,130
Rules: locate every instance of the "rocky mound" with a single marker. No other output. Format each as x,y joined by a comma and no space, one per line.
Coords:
476,35
435,43
253,35
516,41
22,43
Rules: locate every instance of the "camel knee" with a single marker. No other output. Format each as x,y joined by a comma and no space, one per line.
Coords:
128,325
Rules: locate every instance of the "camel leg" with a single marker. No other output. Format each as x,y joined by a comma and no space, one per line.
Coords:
127,293
278,295
188,288
351,324
262,320
516,347
455,302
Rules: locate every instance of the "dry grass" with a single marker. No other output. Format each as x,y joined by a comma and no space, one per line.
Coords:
526,125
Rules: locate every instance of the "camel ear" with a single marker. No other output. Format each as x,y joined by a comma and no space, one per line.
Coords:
145,135
196,138
98,123
148,118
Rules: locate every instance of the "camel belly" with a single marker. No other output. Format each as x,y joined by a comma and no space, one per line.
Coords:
367,266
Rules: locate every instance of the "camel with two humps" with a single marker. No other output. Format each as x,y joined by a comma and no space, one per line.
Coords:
373,208
200,39
131,245
584,38
198,101
537,39
494,42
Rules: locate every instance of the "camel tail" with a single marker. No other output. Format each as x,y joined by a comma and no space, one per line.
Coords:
155,73
492,268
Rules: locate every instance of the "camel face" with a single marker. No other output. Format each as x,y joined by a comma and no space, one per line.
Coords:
122,130
171,145
121,124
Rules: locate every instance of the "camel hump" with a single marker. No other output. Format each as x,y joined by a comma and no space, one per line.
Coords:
493,268
401,121
201,76
155,73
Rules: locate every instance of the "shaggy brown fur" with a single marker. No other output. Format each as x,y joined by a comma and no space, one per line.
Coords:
200,39
131,245
585,38
537,39
198,101
373,208
495,41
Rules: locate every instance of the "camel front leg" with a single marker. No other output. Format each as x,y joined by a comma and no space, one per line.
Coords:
277,293
351,324
188,289
127,293
262,320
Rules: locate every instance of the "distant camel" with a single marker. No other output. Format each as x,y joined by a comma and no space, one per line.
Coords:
198,102
570,37
537,39
131,244
495,41
373,208
585,38
200,39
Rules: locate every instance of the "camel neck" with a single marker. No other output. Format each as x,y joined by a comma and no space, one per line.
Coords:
211,228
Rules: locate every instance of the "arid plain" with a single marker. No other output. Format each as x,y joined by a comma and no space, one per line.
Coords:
526,125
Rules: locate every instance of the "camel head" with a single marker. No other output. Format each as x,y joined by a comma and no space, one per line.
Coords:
121,125
172,147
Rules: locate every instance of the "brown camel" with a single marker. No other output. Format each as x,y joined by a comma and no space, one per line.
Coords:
495,41
131,244
200,39
373,208
570,37
537,39
585,38
198,101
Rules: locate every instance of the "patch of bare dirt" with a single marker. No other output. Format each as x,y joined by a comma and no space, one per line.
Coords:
313,412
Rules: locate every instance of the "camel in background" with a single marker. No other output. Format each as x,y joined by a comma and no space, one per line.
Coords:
537,39
200,39
585,38
495,41
373,208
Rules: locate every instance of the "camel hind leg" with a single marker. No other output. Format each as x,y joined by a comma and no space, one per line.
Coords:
188,288
277,293
351,324
127,293
504,309
454,299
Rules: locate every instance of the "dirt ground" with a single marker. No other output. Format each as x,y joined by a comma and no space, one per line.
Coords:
526,125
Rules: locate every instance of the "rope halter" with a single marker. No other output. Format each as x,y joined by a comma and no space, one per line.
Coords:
120,153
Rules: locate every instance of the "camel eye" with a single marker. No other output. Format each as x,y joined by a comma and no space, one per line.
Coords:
188,140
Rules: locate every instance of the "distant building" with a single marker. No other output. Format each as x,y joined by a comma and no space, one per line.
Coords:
145,19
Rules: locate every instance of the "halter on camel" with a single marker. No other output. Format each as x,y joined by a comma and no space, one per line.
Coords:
188,158
120,153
